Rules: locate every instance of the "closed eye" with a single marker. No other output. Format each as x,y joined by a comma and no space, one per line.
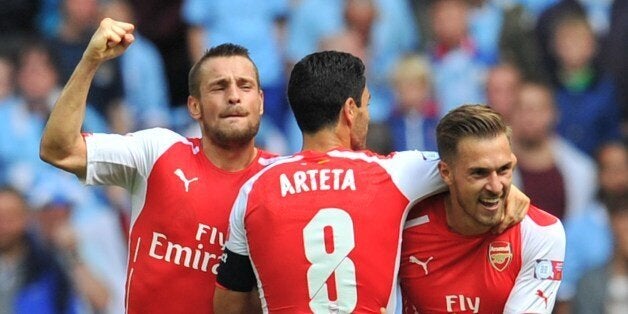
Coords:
505,169
479,172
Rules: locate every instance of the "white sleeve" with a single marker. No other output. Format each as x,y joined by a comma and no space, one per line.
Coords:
543,250
114,159
236,241
415,173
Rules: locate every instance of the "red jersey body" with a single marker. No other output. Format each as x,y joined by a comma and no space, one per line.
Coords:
518,271
323,230
180,213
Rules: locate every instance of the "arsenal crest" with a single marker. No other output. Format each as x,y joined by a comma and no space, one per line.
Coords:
499,254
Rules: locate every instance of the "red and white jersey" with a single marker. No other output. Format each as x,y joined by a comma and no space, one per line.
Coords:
180,214
323,230
518,271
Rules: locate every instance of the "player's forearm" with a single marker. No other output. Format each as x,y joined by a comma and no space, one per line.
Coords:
62,144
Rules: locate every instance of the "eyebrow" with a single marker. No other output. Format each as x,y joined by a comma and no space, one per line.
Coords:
225,81
506,165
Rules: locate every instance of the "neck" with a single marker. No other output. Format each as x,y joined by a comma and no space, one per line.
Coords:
231,158
325,140
459,221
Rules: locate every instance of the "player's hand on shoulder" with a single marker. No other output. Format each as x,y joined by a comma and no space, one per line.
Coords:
110,40
517,205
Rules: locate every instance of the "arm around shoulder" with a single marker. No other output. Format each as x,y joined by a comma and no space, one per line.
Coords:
543,254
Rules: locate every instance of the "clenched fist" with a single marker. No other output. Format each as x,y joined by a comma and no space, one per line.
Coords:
110,40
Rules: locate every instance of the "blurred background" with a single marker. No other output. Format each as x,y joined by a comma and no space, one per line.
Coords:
557,70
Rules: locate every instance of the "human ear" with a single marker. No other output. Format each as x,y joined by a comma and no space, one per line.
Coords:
194,107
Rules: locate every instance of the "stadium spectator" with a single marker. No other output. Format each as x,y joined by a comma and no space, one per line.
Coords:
556,175
604,289
32,281
589,237
24,117
502,88
55,228
586,96
412,124
458,66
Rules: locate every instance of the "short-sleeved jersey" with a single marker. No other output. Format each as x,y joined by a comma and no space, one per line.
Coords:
323,230
518,271
180,214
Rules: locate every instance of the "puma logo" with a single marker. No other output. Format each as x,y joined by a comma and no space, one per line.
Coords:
420,263
185,180
541,295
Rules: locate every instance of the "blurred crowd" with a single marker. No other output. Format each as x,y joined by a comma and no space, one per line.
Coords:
557,70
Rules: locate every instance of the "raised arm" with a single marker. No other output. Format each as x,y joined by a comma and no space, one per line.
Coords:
62,144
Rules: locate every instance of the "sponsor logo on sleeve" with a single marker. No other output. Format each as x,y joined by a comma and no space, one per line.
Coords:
500,254
548,270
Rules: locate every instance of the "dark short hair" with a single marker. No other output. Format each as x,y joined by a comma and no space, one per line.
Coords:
478,121
319,85
224,50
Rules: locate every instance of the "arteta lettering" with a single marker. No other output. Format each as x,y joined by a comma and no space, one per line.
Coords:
461,303
192,257
317,180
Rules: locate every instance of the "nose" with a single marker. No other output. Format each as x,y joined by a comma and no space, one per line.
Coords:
233,94
494,184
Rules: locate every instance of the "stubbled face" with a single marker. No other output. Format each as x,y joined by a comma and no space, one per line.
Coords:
361,123
231,101
479,181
